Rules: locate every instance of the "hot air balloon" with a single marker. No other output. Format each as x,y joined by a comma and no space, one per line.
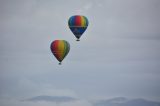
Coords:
60,49
78,24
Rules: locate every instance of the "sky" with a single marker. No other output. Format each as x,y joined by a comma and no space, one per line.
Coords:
118,55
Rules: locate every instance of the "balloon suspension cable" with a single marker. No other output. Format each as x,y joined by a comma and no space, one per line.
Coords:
60,63
77,40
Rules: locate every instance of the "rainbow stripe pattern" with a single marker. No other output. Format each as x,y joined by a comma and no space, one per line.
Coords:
78,21
78,24
60,49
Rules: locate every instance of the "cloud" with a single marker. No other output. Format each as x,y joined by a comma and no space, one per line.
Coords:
45,100
88,6
57,99
71,101
121,101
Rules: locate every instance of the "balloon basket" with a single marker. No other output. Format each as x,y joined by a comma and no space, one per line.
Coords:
77,40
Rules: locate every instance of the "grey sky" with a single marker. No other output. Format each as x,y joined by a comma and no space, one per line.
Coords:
118,55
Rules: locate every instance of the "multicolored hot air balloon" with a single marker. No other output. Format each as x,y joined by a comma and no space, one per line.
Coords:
78,24
60,49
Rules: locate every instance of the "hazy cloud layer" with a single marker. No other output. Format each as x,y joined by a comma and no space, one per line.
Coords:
121,101
57,99
62,101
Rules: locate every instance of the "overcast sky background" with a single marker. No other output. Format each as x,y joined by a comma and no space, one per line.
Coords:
118,55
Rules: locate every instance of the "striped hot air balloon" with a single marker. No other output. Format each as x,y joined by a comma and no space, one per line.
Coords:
78,24
60,49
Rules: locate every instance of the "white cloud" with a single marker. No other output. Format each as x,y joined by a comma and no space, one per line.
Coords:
88,6
43,103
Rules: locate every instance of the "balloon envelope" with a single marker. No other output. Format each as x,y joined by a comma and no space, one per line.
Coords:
78,24
60,49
